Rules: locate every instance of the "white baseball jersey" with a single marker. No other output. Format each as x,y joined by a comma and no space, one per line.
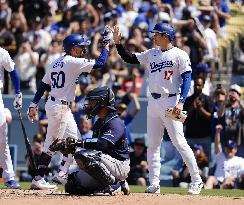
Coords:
5,63
227,167
165,68
62,74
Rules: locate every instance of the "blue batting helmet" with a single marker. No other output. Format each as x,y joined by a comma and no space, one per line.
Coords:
74,40
164,28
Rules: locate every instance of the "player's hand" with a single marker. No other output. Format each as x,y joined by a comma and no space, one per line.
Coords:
32,112
177,109
116,35
107,35
18,101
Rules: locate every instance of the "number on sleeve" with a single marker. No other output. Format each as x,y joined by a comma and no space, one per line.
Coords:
168,74
58,79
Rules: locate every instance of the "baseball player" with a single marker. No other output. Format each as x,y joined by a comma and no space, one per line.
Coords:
60,79
169,82
104,160
5,160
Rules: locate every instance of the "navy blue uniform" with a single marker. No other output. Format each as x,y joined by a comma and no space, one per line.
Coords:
111,136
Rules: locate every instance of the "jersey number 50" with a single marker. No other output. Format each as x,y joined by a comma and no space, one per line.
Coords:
58,79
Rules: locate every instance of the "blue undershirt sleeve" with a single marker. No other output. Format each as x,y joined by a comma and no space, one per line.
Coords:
15,80
101,60
185,87
40,91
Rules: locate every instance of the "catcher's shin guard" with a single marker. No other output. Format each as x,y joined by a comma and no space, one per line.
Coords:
89,161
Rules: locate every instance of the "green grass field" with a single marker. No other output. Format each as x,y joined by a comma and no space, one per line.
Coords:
169,190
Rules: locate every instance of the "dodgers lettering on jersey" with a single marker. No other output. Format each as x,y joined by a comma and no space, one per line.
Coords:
6,63
165,68
62,74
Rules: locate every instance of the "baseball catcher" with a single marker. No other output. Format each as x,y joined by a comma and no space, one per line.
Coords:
103,160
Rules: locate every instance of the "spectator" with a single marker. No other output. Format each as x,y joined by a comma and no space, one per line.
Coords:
195,41
85,10
238,59
26,61
220,98
228,165
138,164
221,8
129,116
5,12
133,83
54,52
85,127
37,148
180,42
198,123
211,39
18,25
202,70
234,119
45,37
78,106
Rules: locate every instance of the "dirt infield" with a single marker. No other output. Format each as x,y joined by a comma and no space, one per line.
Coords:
29,197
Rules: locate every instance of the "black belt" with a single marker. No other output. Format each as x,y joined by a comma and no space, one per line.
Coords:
158,95
64,102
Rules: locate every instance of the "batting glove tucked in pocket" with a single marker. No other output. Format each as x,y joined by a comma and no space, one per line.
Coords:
181,117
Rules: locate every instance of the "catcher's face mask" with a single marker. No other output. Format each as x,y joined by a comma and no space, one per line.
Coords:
92,108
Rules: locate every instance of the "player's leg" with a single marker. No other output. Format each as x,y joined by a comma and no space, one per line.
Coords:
70,131
176,134
57,122
155,130
5,158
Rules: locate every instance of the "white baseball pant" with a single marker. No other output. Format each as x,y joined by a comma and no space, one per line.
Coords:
5,158
156,122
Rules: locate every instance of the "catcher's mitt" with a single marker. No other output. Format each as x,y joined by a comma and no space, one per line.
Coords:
181,117
65,146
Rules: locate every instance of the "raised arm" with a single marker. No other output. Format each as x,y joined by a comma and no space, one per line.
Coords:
125,54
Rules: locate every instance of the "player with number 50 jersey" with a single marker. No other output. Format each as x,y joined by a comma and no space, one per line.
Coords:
60,81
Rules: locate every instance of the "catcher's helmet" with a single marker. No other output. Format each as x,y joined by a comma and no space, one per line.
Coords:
164,28
104,97
74,40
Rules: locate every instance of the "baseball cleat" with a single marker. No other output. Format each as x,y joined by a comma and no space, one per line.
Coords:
42,185
125,187
12,184
153,189
59,179
108,191
195,188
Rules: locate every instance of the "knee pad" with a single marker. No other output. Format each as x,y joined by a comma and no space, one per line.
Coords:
89,161
73,186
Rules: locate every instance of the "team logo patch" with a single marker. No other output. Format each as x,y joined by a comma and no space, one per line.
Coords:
159,66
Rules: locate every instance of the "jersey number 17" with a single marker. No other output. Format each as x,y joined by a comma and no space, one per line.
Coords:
168,74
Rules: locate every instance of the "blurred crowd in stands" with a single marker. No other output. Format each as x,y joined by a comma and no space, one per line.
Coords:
33,30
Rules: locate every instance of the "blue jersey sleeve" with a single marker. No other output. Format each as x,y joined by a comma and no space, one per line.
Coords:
101,60
15,80
40,91
185,87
